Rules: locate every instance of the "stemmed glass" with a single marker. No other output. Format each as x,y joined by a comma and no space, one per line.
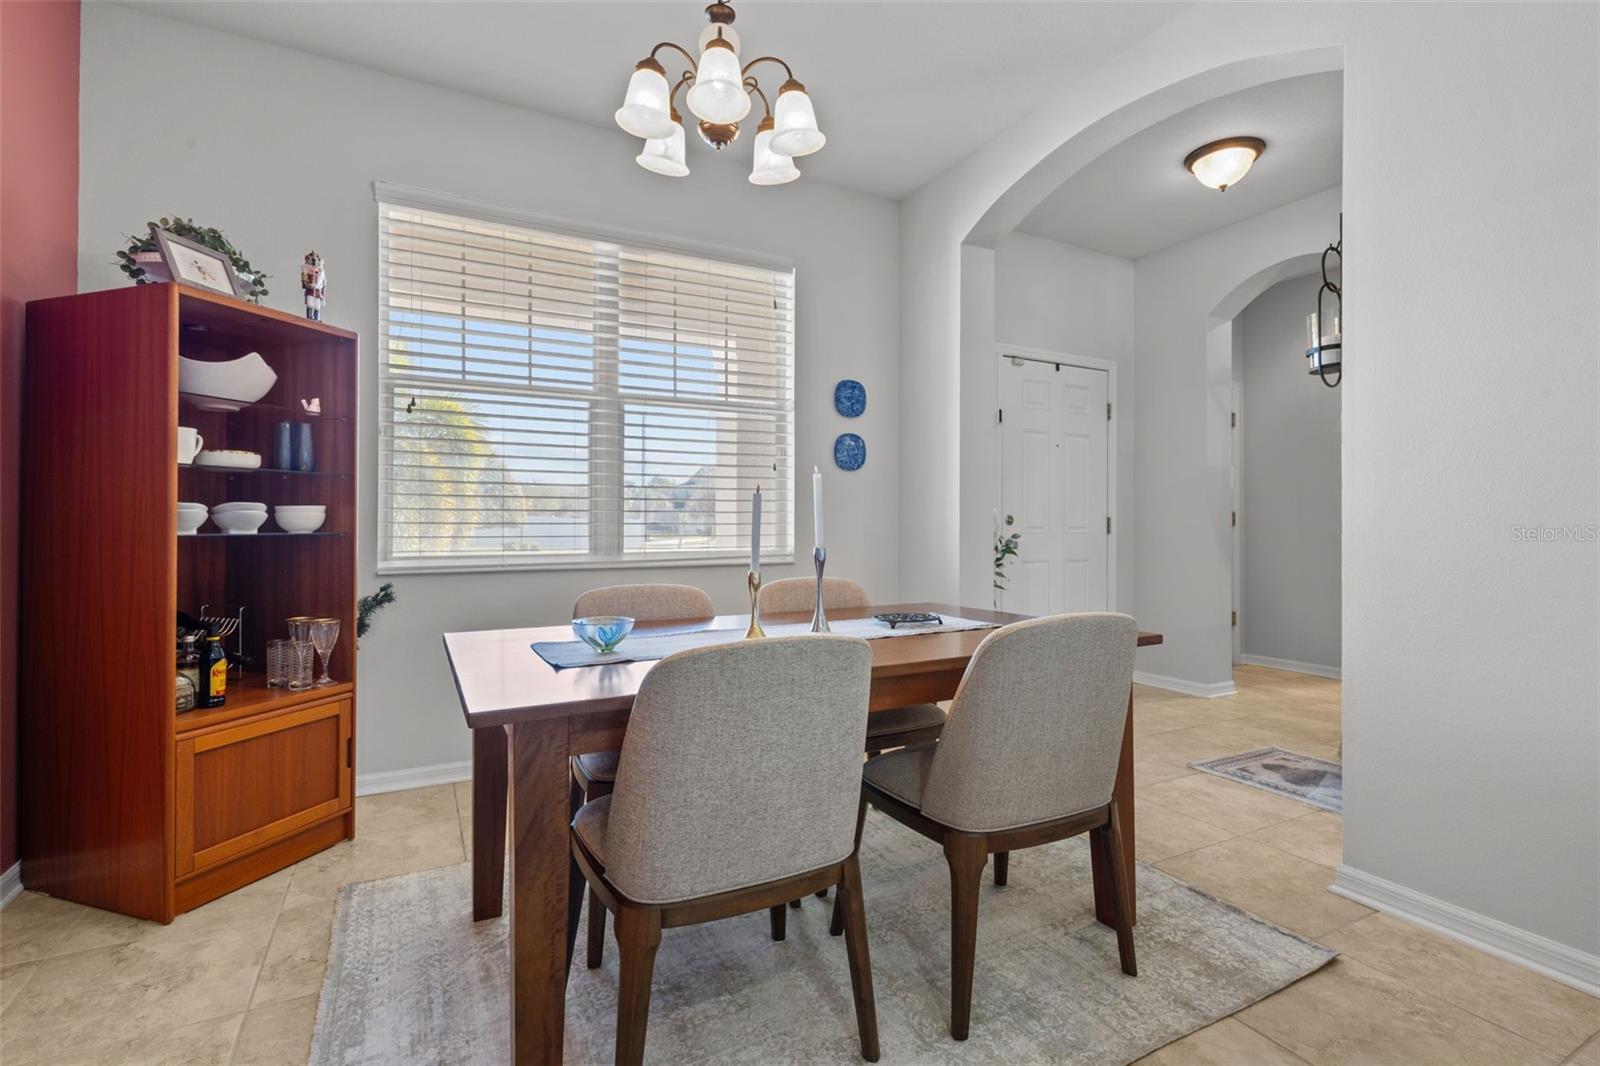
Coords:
324,634
300,642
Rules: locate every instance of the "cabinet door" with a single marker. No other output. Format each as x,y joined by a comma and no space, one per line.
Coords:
244,786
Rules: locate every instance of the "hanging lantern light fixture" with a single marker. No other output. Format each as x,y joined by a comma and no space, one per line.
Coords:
720,93
1325,346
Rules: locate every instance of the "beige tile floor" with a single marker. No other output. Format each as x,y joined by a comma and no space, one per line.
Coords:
237,980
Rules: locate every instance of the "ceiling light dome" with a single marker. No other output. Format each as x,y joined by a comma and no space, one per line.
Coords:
718,94
644,111
770,167
1221,164
796,122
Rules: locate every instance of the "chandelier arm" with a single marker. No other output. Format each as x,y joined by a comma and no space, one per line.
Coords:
672,97
769,59
687,58
753,86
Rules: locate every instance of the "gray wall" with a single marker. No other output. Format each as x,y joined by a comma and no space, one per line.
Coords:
1289,522
288,167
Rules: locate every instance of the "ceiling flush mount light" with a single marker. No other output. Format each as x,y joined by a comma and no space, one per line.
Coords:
720,94
1220,164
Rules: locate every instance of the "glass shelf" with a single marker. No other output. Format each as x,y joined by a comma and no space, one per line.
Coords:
255,536
193,400
258,471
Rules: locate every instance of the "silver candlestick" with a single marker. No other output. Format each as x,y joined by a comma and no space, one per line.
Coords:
819,618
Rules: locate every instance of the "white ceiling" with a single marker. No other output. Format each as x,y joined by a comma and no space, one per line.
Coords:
1137,198
903,90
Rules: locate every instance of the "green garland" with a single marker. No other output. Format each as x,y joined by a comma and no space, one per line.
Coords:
254,280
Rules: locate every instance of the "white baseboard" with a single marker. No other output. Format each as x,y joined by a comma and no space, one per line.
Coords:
1188,688
1538,953
10,884
1291,665
443,773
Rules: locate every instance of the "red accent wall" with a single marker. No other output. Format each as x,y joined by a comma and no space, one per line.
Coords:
38,258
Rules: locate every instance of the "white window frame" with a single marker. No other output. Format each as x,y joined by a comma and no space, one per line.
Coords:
777,507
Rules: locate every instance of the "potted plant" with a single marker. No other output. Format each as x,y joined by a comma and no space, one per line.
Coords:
1005,549
142,261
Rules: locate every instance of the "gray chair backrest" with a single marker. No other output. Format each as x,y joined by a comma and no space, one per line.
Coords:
741,765
800,594
645,603
1036,728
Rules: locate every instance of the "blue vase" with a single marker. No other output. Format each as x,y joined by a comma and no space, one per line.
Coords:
305,456
282,446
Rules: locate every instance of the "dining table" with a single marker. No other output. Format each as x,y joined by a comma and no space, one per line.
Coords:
528,719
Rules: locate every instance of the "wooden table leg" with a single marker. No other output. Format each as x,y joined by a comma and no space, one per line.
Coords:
540,890
1122,792
488,822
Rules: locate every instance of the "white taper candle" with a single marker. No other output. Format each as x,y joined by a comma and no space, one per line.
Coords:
755,530
816,507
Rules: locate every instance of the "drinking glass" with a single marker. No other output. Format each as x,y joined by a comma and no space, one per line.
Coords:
280,663
301,650
324,634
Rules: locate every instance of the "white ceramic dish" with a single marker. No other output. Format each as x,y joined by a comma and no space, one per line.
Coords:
239,521
226,386
229,460
306,508
191,516
300,522
228,508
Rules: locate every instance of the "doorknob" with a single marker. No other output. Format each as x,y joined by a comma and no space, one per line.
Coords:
1011,520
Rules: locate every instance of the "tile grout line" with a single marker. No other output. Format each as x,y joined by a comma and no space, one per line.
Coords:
1236,1016
266,953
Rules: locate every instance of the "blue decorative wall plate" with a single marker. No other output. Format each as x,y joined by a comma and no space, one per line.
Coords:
850,398
849,452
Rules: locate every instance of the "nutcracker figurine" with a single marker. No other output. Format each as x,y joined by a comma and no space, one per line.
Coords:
313,280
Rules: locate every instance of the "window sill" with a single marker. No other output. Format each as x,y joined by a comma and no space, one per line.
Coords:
475,566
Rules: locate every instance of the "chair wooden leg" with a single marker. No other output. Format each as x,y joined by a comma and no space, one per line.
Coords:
1002,867
780,921
855,942
638,936
836,923
967,856
1121,891
596,945
822,893
794,904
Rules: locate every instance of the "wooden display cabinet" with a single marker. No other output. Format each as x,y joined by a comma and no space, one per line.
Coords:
125,803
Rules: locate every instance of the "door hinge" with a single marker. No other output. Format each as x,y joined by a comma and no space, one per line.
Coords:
1235,618
350,751
1108,412
1108,524
1233,518
1000,415
1233,419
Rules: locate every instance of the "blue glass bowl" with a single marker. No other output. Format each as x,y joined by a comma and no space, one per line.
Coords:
603,632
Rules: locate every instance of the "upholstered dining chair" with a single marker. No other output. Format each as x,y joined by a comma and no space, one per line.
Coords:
1027,757
595,772
894,728
778,724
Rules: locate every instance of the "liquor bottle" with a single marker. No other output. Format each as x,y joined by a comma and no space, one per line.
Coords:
213,673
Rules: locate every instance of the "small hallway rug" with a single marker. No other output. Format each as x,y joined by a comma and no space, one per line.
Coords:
1314,781
412,979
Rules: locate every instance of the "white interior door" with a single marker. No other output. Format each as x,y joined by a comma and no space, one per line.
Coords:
1054,490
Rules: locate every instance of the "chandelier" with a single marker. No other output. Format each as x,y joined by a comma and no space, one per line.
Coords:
719,94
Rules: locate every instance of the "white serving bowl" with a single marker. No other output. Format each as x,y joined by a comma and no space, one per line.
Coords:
229,460
191,516
303,508
304,520
238,505
239,521
225,386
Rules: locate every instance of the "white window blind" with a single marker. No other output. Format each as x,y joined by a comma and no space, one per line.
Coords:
551,399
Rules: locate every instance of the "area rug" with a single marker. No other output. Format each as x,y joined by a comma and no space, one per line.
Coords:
1314,781
412,979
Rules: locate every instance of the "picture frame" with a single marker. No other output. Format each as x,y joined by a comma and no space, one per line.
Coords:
192,263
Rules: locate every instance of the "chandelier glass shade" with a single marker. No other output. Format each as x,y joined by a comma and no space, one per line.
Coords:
719,92
645,110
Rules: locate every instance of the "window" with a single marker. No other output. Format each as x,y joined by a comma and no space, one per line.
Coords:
555,399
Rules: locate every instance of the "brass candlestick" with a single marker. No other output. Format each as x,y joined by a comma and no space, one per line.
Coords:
753,579
819,617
